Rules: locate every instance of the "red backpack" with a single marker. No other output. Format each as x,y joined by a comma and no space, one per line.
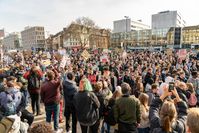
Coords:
192,101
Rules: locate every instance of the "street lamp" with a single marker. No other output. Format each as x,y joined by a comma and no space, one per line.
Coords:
125,46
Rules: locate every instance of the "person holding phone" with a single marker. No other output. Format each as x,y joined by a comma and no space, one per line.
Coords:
163,115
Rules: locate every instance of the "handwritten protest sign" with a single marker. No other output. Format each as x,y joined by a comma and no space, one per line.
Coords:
46,62
85,55
104,58
65,61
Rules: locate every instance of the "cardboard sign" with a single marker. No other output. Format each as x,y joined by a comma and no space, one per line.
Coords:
65,61
85,54
46,62
48,55
62,52
105,51
104,58
58,56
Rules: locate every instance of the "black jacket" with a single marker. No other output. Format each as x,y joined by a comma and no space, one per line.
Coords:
178,126
87,107
101,99
70,89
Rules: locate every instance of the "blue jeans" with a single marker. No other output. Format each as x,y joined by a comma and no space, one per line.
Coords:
143,130
49,111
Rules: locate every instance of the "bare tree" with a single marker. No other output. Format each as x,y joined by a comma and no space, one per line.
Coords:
86,21
82,29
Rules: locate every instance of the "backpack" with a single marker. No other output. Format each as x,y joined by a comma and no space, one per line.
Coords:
192,100
33,82
10,104
109,115
92,116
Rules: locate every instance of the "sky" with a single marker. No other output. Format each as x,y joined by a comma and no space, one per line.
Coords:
56,14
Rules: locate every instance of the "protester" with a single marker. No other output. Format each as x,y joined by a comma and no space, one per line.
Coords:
50,95
169,119
42,128
87,108
193,120
70,89
127,111
100,78
10,99
144,109
153,93
34,78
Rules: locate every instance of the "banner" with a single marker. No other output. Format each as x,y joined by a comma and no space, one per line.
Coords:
85,54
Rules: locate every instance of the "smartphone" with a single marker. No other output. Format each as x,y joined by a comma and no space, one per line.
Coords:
171,86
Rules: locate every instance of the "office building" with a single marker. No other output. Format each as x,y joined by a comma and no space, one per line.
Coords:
33,38
127,25
12,41
190,35
167,19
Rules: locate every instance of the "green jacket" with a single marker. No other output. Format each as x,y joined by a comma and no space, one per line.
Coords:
127,110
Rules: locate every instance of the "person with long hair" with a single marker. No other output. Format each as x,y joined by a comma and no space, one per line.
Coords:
144,109
166,118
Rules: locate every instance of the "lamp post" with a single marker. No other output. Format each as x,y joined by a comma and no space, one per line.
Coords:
125,45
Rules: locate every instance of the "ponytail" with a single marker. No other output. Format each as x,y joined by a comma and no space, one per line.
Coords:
166,124
168,115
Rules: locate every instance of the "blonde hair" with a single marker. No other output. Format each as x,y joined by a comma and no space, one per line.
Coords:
193,120
190,87
117,93
167,115
143,97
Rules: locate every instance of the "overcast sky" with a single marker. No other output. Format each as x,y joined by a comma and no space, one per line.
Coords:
56,14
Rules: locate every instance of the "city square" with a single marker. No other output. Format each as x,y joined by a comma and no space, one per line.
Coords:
99,66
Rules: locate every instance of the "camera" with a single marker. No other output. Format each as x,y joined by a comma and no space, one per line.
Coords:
171,86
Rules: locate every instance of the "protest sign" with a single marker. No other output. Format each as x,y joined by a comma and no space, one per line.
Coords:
85,55
62,51
58,56
65,61
46,62
104,58
48,55
105,51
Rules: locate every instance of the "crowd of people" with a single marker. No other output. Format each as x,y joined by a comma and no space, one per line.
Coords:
135,92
